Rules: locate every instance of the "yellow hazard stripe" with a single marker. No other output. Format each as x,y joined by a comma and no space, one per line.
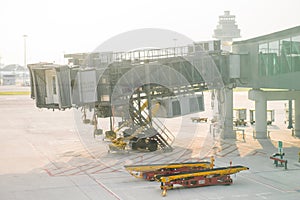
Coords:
157,167
15,93
220,172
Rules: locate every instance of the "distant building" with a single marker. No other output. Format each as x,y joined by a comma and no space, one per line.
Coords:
14,74
9,79
226,30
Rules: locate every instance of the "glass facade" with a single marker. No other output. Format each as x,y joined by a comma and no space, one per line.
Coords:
279,57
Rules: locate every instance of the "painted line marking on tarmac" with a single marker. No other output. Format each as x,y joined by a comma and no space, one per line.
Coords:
227,153
262,195
95,168
265,184
215,198
70,169
104,187
240,195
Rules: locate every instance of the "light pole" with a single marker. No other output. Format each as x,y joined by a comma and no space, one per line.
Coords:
175,40
25,60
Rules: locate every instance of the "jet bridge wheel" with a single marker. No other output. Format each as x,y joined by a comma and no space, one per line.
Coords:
144,143
152,146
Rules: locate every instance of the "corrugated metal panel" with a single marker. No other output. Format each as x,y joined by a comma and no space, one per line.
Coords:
176,109
88,86
196,104
74,86
32,93
64,84
40,87
83,86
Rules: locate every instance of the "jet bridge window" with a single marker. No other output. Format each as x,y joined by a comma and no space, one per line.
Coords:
263,58
273,65
285,58
269,58
295,54
279,57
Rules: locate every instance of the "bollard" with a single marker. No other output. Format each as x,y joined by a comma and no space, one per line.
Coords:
276,163
285,164
293,132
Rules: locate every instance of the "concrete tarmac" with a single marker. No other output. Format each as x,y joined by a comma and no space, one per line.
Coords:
47,155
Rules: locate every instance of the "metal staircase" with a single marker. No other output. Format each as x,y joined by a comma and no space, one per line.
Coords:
153,133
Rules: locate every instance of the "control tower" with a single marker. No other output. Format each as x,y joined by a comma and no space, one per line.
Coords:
226,30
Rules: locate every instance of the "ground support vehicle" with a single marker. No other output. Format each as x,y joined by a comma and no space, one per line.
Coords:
206,177
150,170
199,119
240,116
270,117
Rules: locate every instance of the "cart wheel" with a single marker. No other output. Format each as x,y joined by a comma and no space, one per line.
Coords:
228,182
86,121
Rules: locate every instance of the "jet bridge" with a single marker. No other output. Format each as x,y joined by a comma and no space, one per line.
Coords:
101,79
109,82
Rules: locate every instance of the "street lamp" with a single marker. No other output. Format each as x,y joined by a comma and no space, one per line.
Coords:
175,40
24,36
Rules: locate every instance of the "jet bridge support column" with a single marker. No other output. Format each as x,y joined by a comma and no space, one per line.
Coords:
260,113
228,132
297,117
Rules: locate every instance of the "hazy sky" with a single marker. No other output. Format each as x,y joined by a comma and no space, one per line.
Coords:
55,27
